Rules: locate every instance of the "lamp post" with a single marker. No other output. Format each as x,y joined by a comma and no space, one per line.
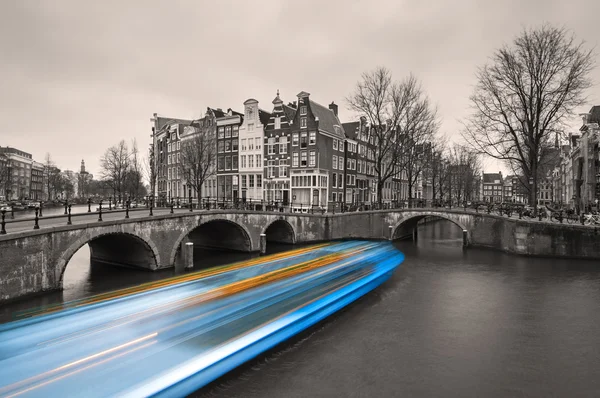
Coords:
190,197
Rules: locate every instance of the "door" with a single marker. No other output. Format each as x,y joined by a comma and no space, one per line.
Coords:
315,201
286,197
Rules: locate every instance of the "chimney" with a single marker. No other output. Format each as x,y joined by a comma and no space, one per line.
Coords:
334,108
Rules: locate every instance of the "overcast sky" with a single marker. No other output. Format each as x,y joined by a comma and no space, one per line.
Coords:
78,76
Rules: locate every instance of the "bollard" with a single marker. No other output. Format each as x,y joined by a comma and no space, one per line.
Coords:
539,215
66,205
263,243
89,205
127,204
191,205
172,205
100,211
109,203
41,207
465,238
36,225
189,255
391,232
151,206
3,223
69,216
12,213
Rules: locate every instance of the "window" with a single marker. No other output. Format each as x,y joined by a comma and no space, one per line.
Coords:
220,163
340,163
312,161
234,145
334,197
258,161
303,158
227,162
340,181
250,144
348,179
271,169
243,144
341,146
271,146
303,140
277,123
243,161
235,131
334,181
295,139
178,145
169,173
169,160
251,127
283,167
258,181
234,162
178,157
295,159
228,132
303,122
221,132
251,181
257,143
244,182
303,110
283,141
334,162
220,146
348,164
228,146
250,161
312,140
335,146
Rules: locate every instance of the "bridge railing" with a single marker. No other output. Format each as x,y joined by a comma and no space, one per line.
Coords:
102,214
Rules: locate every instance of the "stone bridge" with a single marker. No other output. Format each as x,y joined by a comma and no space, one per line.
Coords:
34,261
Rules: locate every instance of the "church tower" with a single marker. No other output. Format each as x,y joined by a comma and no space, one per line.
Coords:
82,166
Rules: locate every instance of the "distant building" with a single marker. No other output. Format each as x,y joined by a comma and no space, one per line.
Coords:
228,126
252,136
17,180
36,188
492,187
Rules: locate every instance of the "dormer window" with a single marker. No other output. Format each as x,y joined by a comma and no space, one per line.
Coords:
303,122
303,110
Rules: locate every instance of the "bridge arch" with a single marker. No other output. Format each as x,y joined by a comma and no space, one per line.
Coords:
405,226
116,247
280,231
216,233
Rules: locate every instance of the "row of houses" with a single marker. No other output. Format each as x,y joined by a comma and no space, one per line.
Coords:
21,177
297,154
569,173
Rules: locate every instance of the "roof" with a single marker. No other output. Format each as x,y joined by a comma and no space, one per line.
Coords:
217,112
328,121
490,178
351,129
165,121
595,114
290,112
264,117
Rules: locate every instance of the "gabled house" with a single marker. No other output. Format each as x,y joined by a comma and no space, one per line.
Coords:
277,149
251,166
228,126
317,139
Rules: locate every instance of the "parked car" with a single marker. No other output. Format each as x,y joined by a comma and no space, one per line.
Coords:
5,206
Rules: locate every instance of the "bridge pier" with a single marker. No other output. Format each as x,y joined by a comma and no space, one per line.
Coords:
415,234
189,255
391,232
263,243
465,236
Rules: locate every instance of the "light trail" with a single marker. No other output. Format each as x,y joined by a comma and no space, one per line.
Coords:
187,330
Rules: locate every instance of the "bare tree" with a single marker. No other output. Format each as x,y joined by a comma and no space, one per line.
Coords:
399,116
115,164
150,170
134,184
438,169
525,95
198,158
464,170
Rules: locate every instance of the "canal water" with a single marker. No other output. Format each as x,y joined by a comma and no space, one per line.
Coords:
449,323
